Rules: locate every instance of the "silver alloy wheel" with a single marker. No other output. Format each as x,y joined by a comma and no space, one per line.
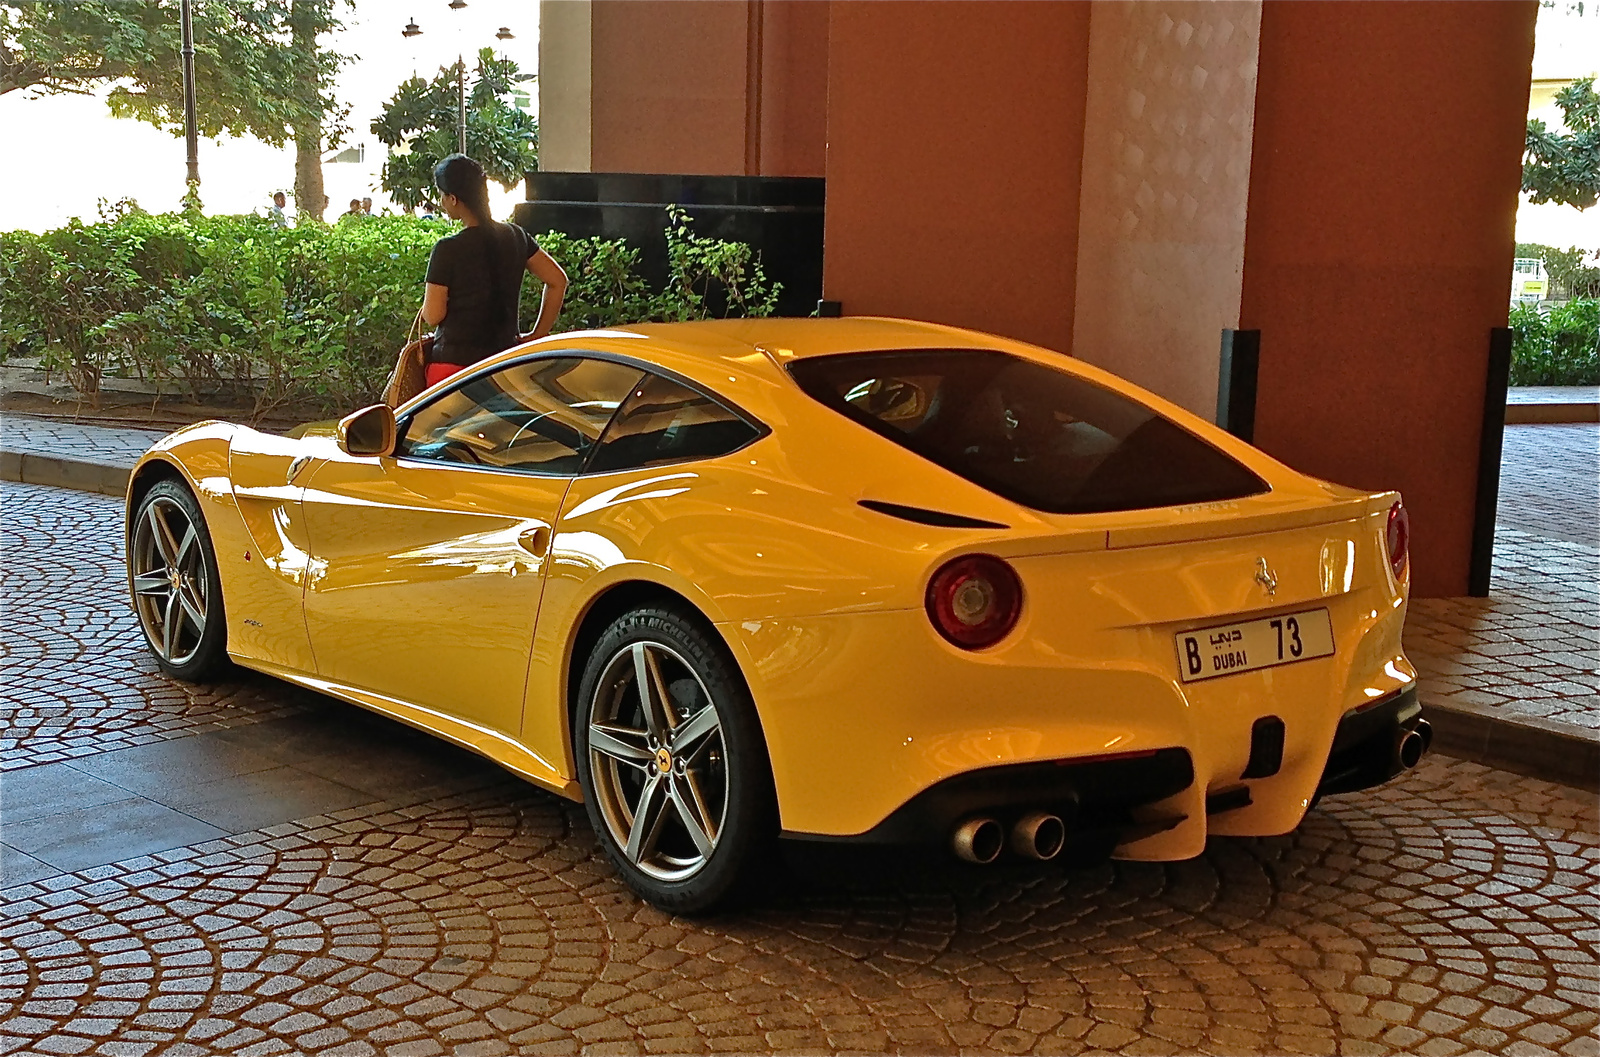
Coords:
657,758
171,584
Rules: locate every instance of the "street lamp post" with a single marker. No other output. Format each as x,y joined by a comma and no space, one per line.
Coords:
461,85
191,131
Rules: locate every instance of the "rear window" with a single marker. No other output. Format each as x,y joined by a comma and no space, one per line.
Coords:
1033,434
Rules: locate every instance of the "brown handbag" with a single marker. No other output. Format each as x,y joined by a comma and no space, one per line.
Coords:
410,374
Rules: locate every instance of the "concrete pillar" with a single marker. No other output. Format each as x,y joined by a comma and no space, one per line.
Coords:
1383,198
1166,175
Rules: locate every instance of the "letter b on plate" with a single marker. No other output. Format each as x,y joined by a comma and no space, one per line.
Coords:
1191,650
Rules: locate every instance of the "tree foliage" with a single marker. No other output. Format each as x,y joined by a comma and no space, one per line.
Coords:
249,77
419,124
1564,167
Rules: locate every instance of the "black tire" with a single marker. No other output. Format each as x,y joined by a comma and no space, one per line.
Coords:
184,647
722,776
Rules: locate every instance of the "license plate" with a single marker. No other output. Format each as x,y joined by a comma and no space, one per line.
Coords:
1228,649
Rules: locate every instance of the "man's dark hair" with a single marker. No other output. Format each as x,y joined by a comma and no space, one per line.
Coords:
459,175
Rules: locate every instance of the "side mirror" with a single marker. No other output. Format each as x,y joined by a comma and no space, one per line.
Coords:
369,431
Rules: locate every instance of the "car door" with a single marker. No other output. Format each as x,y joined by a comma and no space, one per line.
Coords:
427,567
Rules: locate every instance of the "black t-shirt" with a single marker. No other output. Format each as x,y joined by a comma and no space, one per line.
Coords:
482,266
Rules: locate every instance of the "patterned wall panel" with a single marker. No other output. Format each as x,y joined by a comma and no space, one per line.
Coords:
1166,170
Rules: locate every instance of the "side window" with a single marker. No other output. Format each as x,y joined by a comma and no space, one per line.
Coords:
540,416
663,422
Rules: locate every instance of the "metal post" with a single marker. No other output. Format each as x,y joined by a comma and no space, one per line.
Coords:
1491,436
1236,383
461,100
190,125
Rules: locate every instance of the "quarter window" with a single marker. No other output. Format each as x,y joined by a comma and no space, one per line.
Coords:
663,422
539,416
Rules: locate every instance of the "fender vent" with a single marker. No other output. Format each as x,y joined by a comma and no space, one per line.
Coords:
928,517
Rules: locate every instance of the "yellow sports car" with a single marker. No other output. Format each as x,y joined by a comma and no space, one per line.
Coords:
837,579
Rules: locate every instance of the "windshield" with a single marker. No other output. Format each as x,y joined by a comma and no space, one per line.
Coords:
1036,435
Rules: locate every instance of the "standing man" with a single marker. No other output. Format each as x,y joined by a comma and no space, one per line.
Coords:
276,214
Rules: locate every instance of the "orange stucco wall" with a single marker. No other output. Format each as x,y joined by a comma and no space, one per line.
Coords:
669,86
794,87
716,87
1383,197
955,141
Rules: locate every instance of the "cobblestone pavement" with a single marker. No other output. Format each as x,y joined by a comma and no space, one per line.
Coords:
1550,482
78,679
1455,910
1452,912
1531,650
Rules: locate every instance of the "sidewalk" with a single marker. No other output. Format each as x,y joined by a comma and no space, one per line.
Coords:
1510,681
70,455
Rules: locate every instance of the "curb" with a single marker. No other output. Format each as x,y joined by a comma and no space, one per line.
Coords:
61,472
1548,750
1552,752
1548,414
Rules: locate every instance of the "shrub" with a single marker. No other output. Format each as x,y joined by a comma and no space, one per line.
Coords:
1561,347
309,317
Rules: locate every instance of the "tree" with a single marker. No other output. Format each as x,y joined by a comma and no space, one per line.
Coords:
419,125
258,69
1565,167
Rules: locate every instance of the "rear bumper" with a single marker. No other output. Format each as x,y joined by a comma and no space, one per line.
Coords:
1109,797
879,731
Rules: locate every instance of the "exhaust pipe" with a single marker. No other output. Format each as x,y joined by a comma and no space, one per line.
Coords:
978,840
1410,744
1038,836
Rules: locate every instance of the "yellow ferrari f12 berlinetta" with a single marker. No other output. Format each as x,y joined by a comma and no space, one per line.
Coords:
838,579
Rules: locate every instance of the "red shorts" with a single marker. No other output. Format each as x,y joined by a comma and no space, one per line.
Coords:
438,372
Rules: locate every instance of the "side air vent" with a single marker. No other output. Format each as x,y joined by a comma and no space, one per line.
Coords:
929,517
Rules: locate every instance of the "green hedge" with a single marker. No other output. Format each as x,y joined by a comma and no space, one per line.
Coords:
309,317
1560,347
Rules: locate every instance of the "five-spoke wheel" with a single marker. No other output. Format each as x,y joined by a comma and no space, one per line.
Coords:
656,752
671,759
173,577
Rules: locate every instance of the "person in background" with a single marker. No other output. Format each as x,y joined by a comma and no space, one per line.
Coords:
366,207
474,281
353,211
276,214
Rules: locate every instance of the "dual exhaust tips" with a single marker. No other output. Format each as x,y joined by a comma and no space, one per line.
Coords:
1036,835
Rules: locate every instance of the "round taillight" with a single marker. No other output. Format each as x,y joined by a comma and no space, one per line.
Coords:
974,601
1398,539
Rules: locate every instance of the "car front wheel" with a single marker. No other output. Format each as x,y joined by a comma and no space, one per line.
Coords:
672,761
172,573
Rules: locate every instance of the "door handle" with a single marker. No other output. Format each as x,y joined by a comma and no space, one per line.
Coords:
535,541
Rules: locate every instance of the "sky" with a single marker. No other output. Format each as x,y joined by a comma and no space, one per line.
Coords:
94,155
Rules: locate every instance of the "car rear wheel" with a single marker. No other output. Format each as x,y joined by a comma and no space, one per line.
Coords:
672,762
172,574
